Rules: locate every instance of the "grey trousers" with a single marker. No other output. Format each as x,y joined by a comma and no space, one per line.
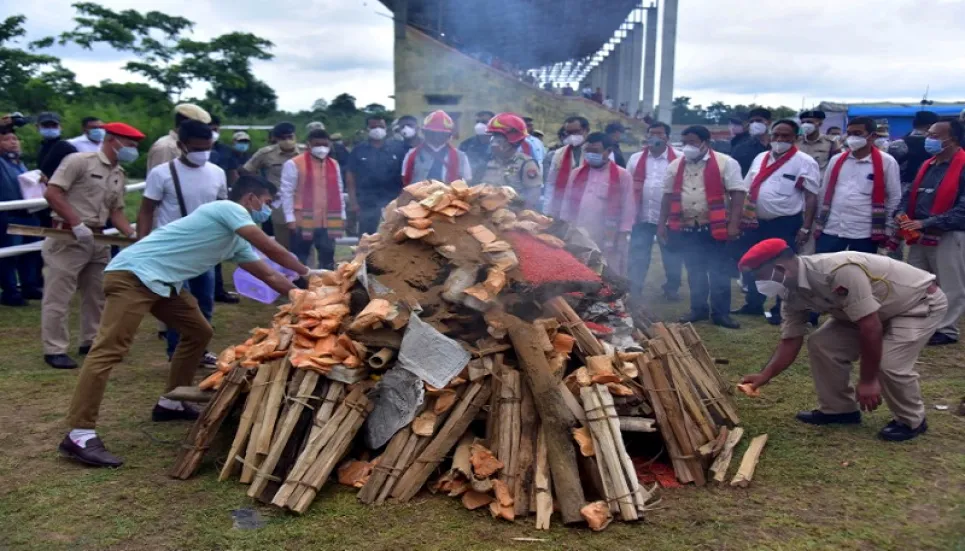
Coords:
947,262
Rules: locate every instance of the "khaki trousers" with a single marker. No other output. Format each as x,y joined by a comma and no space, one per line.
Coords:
282,234
834,347
128,301
947,262
69,266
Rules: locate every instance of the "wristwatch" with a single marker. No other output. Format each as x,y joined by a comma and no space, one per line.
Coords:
805,231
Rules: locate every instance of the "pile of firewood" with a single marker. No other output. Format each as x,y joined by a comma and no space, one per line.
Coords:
541,415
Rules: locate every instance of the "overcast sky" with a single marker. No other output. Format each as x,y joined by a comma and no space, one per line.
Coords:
769,51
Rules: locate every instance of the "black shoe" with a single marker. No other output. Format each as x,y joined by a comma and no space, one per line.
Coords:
32,294
748,310
814,319
227,298
83,349
694,317
774,319
899,432
60,361
671,296
726,321
93,453
162,414
941,339
817,417
15,301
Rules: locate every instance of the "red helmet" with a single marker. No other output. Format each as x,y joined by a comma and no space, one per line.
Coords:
438,121
509,125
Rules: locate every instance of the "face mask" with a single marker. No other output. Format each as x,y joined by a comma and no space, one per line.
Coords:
780,147
808,128
693,153
287,145
480,129
96,134
856,142
50,133
127,154
595,160
12,155
836,138
261,216
757,128
321,151
882,143
242,146
655,142
407,132
215,135
736,129
933,146
198,158
771,289
378,134
575,140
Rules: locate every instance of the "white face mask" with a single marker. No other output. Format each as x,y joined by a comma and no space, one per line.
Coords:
575,140
757,128
198,157
770,288
808,128
882,143
480,129
377,134
780,147
856,142
407,132
693,153
215,135
321,151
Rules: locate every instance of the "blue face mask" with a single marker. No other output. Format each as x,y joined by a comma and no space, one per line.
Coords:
263,215
241,147
50,133
933,146
594,159
96,134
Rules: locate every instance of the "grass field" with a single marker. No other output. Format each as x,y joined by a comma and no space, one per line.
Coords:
815,488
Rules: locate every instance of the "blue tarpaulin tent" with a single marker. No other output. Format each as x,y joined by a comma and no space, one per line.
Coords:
899,116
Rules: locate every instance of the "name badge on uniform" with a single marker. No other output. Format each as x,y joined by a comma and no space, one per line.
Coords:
790,177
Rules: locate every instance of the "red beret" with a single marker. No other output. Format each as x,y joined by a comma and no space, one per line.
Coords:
762,253
123,130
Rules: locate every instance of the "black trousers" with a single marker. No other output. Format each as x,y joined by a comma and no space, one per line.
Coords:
708,263
324,247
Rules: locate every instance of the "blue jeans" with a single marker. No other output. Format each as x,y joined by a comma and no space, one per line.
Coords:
641,250
784,227
202,287
25,267
708,263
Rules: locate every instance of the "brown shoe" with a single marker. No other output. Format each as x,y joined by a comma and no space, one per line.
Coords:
93,454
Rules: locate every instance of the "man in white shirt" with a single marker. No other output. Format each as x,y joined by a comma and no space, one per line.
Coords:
781,202
649,168
177,188
90,140
859,192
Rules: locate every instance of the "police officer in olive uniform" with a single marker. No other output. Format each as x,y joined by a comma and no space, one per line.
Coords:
882,311
509,166
268,162
85,192
820,147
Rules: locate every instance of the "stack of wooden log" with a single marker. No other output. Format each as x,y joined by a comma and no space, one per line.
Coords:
538,420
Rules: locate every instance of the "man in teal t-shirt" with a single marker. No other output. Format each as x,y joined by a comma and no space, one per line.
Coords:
147,277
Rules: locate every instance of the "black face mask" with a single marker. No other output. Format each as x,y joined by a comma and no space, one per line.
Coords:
12,155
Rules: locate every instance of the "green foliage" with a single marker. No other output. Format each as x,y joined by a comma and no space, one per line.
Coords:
719,112
27,79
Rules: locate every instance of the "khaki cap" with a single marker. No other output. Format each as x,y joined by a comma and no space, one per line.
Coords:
240,136
193,112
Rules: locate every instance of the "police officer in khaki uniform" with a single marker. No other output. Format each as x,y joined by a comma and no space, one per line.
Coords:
820,147
165,149
85,191
267,162
509,166
882,311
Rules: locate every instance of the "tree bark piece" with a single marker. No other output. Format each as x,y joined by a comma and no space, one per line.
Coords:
745,474
196,443
722,462
555,416
257,393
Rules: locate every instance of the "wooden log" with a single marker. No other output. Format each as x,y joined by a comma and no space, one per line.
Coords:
677,418
276,392
586,342
717,390
285,428
509,431
370,491
465,411
492,420
681,468
555,416
541,481
333,396
258,387
190,394
607,455
745,474
572,403
525,457
721,464
381,359
252,460
711,449
196,443
637,424
682,384
638,493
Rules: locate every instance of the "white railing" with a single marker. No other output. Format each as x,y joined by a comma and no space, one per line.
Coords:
41,203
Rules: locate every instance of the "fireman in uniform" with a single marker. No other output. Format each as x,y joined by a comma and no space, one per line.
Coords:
509,166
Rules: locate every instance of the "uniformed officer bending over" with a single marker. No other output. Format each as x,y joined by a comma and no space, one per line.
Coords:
882,311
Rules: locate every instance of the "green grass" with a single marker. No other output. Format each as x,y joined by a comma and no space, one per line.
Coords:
815,488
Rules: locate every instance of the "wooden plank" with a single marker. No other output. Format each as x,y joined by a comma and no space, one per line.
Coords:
606,453
541,481
525,458
258,386
745,474
370,491
68,235
639,494
722,462
637,424
190,394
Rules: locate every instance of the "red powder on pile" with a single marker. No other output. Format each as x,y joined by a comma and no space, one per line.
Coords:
540,263
649,472
597,328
